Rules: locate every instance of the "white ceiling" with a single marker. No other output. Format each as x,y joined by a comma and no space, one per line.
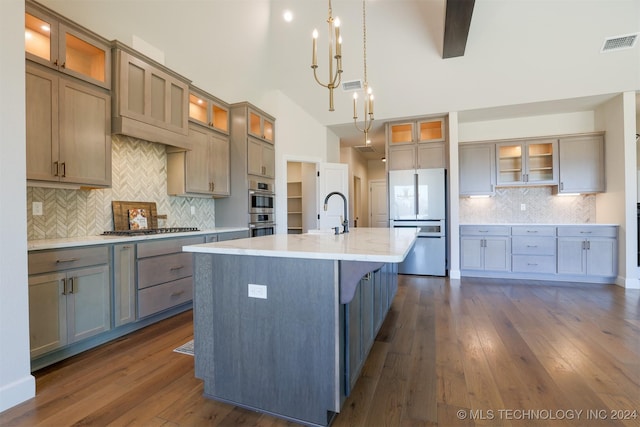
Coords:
523,57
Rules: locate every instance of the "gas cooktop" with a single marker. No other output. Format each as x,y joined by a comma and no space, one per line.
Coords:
145,231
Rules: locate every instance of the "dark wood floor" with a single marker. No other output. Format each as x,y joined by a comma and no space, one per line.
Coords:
450,353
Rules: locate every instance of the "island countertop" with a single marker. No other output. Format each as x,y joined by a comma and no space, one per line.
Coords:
388,245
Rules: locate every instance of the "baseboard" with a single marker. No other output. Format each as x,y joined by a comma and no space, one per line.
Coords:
17,392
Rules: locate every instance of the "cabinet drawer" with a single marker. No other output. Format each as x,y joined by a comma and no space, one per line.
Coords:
157,298
166,246
588,231
484,230
533,264
531,245
65,259
165,268
536,230
232,235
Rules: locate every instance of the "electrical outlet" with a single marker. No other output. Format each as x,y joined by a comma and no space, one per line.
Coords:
193,210
36,208
523,207
257,291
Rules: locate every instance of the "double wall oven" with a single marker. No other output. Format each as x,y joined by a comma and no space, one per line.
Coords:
261,208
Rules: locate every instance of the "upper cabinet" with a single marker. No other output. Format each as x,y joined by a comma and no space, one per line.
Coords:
477,169
68,135
261,126
59,44
533,162
151,102
581,164
209,111
416,145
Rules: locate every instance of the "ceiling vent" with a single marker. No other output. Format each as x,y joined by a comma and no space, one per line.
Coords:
626,41
352,85
365,148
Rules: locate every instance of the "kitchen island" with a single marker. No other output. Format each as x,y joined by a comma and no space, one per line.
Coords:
283,323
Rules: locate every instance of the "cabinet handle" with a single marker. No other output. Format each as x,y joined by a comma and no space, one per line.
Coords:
60,261
177,294
64,286
561,186
588,244
532,263
178,267
64,169
64,65
72,283
532,231
213,186
483,231
55,168
532,246
585,232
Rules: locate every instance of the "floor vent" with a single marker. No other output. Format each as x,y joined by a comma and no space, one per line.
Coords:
626,41
365,148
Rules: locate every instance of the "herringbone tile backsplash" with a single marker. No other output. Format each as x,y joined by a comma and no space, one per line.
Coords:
541,207
139,171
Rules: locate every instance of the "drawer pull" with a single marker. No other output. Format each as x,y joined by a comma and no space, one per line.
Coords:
177,294
532,231
483,231
585,232
60,261
178,267
532,246
532,263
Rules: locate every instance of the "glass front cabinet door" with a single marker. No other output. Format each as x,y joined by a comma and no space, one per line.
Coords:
527,162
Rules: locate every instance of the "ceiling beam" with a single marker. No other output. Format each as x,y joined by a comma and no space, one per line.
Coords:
456,27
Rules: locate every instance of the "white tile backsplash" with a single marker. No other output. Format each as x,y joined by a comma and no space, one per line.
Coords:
541,206
139,174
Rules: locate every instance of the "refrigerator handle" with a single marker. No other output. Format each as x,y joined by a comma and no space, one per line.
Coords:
416,195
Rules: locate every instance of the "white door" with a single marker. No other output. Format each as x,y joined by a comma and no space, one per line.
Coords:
332,177
378,206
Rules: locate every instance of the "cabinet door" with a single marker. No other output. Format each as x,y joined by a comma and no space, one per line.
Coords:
477,169
254,157
402,157
401,133
431,130
471,253
84,57
47,313
601,257
431,155
124,304
581,164
85,134
497,254
219,149
509,164
197,179
541,162
42,124
88,302
268,161
571,257
41,37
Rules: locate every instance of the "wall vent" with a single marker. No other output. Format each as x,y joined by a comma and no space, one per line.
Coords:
626,41
352,85
365,148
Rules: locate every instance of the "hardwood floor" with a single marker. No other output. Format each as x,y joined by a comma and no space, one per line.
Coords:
450,353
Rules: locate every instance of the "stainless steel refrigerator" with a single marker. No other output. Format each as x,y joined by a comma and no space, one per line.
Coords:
417,198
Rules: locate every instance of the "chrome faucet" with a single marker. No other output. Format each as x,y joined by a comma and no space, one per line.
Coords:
345,221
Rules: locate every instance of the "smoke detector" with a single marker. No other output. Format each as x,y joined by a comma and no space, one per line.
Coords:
352,85
626,41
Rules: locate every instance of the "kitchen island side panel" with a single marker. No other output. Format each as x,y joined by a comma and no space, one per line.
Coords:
279,354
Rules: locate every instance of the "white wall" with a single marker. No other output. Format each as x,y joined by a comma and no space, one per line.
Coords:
16,382
618,204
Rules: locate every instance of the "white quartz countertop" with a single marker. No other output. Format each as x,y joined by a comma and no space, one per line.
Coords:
360,244
516,224
70,242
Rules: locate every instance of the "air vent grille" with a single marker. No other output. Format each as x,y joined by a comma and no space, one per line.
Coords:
352,85
365,149
619,42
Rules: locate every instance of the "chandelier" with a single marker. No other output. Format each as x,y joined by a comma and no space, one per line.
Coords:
335,41
368,93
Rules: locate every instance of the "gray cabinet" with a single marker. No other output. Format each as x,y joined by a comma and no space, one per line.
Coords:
64,46
581,164
530,162
151,102
477,169
260,125
485,248
124,284
69,297
533,249
260,158
416,145
590,251
209,111
203,170
68,130
165,273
